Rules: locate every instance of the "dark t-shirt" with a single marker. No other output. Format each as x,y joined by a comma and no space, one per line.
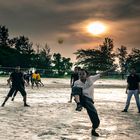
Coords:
74,77
133,82
17,79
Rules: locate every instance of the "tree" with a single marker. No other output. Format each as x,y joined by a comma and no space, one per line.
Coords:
24,48
122,55
61,64
97,59
133,59
43,57
66,65
8,56
23,45
4,36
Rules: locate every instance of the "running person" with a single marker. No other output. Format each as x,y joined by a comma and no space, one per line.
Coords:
17,85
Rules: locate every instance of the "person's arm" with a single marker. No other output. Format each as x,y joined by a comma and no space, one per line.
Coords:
100,74
95,77
8,81
127,88
71,80
105,72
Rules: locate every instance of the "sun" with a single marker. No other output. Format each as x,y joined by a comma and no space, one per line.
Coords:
96,28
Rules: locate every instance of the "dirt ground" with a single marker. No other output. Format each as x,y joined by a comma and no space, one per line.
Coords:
51,117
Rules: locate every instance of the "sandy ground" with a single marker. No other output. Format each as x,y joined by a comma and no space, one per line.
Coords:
51,117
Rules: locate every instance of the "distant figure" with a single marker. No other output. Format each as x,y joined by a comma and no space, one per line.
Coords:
132,88
27,78
38,78
17,85
34,80
74,77
83,93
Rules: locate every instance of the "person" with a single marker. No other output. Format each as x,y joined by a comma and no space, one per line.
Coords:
38,78
132,89
17,85
34,80
27,78
74,77
83,94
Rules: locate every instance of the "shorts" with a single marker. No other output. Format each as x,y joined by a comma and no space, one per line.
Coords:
20,89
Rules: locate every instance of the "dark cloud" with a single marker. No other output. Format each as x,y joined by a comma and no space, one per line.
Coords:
43,20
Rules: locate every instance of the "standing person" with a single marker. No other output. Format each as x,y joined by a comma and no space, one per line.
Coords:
34,80
132,89
74,77
17,85
83,92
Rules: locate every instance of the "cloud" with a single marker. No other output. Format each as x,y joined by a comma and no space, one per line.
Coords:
47,20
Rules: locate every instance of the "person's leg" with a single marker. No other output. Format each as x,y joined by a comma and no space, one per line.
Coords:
23,92
70,98
37,83
78,102
71,95
129,96
15,93
136,94
93,115
77,92
41,83
33,81
12,90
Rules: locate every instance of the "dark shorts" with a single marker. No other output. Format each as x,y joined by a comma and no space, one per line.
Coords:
15,89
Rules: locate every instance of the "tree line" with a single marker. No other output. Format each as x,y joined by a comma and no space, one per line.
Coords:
20,51
106,57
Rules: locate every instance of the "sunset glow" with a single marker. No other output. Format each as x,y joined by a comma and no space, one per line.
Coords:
96,28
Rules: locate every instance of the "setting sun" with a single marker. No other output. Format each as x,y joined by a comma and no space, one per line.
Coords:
96,28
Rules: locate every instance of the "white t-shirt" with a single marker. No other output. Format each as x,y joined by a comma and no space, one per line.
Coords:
87,87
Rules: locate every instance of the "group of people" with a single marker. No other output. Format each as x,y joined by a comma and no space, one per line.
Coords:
36,79
33,79
82,84
17,82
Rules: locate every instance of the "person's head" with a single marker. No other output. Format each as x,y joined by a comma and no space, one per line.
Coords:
17,68
83,74
36,72
76,69
133,70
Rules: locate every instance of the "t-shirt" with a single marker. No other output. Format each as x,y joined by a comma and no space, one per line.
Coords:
133,82
34,75
88,87
17,79
74,77
38,77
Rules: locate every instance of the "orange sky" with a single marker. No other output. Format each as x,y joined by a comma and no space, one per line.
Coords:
45,21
